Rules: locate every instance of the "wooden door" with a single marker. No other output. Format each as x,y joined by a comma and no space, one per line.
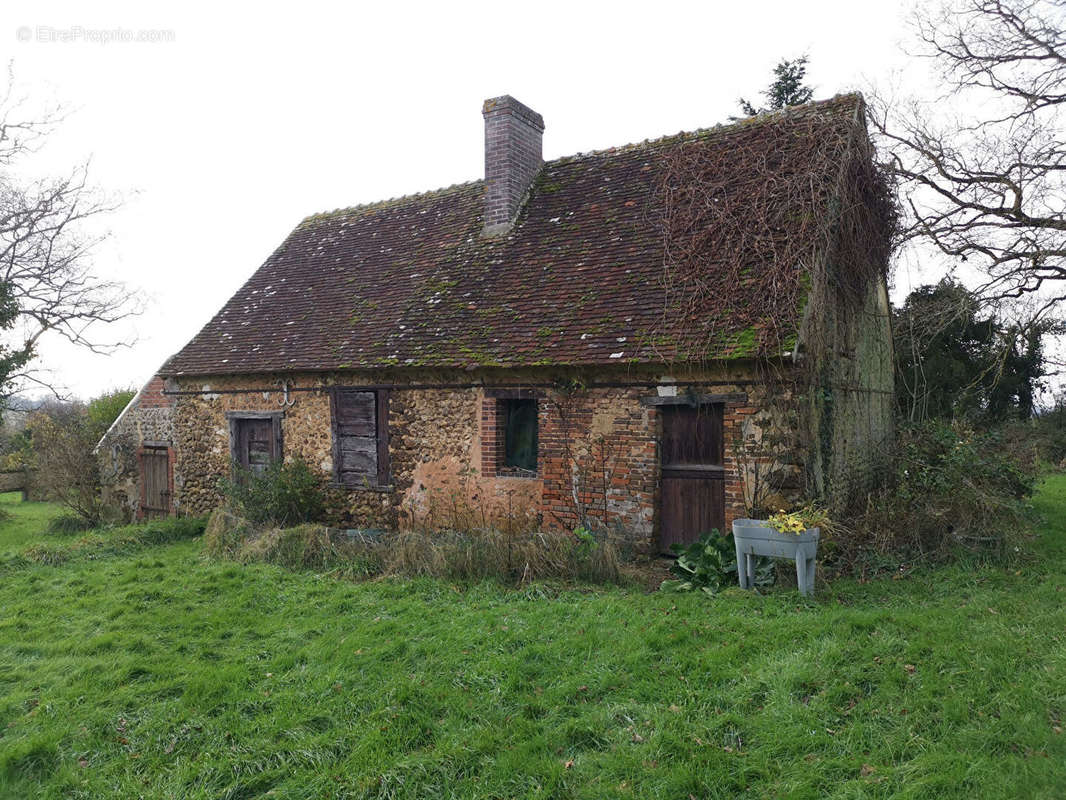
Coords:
256,444
155,482
693,476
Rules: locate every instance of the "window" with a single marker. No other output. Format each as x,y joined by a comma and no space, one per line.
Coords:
520,435
255,438
509,433
360,438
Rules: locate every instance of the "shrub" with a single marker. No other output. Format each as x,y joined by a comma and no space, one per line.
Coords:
67,470
1039,443
954,490
102,411
66,524
284,494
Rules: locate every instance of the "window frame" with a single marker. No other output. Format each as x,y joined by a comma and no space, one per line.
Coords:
236,417
498,441
382,480
505,408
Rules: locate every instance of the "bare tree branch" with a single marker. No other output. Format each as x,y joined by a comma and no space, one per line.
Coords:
48,287
988,186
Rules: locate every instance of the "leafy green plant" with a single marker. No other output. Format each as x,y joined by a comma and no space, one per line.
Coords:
584,542
765,571
710,563
284,494
703,565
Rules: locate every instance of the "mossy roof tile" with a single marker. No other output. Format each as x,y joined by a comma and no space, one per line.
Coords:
412,281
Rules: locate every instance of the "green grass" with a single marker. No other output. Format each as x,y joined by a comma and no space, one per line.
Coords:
25,523
158,674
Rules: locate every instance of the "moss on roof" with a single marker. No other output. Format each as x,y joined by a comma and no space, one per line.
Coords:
411,280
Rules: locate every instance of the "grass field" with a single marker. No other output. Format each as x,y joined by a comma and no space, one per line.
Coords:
158,674
25,524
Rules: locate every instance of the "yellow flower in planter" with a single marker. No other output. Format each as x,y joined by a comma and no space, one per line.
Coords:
796,522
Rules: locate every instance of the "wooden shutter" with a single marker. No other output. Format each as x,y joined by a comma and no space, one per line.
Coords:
360,437
255,438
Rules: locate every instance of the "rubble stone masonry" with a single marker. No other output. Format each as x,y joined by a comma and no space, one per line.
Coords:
597,456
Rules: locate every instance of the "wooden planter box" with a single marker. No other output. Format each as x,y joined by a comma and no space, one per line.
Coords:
753,537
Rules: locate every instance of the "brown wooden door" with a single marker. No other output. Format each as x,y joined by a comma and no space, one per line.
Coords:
256,444
155,482
693,485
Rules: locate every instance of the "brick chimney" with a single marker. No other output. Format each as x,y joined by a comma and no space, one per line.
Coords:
513,134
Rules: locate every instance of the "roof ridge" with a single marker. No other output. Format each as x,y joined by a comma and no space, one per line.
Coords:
722,127
391,201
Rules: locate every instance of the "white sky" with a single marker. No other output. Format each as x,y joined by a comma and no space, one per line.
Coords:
255,116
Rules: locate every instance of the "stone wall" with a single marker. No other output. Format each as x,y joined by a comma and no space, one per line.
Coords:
436,438
598,448
148,419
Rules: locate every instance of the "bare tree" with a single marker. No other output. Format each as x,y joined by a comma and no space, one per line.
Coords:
47,284
982,168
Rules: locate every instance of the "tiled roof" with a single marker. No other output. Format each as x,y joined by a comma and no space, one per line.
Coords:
412,282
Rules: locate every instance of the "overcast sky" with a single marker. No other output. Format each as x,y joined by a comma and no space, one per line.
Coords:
244,119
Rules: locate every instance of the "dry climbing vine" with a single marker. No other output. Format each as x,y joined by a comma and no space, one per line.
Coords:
780,217
750,213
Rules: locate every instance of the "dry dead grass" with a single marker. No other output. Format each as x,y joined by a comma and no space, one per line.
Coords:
474,555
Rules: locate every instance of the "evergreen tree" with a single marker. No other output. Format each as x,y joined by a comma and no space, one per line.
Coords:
787,88
952,361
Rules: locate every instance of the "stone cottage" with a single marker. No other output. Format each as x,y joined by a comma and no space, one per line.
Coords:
649,340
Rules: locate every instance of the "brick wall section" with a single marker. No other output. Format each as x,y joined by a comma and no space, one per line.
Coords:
492,440
733,430
513,156
152,395
599,457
